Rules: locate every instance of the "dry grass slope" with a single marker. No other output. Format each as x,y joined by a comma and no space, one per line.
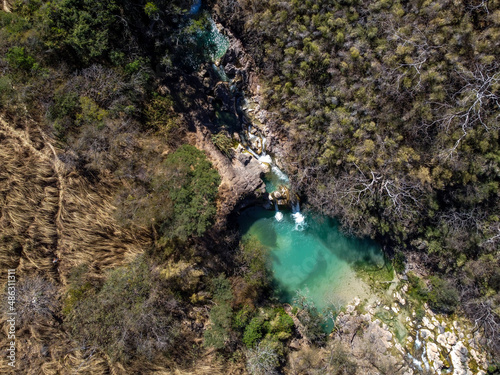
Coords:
49,210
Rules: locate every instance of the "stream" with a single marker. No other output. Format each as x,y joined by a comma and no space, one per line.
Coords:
309,255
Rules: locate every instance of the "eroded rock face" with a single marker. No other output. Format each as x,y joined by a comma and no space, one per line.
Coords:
373,345
435,344
240,67
241,176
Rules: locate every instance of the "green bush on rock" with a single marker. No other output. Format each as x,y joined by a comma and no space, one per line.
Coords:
191,185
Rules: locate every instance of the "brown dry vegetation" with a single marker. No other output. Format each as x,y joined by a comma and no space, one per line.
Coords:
83,140
48,212
51,211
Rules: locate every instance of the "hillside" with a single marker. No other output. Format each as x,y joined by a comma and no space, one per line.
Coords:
127,159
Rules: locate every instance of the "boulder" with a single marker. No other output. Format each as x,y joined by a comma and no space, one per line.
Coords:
244,158
458,357
432,352
441,340
241,176
425,334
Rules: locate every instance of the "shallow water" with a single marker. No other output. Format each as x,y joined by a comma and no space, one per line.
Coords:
317,260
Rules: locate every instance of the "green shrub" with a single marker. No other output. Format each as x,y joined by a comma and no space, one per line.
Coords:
256,257
19,59
221,315
217,335
223,143
133,67
91,113
191,184
443,296
253,332
6,90
280,328
311,318
221,289
241,318
417,288
151,9
493,369
399,262
130,316
74,296
65,105
81,26
282,323
161,116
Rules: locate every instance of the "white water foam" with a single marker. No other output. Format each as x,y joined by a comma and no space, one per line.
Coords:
263,158
279,173
300,220
278,216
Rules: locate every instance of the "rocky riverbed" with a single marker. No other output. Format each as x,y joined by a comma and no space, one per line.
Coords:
385,333
388,333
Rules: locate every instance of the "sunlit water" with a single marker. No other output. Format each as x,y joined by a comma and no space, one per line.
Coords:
316,259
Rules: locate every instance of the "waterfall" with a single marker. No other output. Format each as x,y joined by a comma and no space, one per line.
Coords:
279,173
263,158
300,220
221,72
278,216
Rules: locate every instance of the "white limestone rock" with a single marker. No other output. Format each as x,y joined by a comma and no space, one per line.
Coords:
458,357
441,340
425,334
432,352
427,323
451,338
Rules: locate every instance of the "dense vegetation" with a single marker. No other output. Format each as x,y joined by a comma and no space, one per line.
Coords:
391,114
120,201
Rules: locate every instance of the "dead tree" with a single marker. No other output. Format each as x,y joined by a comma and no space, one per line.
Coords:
474,104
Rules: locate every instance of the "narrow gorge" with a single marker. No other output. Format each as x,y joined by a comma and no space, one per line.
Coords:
349,280
250,187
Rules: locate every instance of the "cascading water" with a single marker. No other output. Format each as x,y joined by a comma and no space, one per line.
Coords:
279,173
262,158
300,220
221,72
255,143
278,215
